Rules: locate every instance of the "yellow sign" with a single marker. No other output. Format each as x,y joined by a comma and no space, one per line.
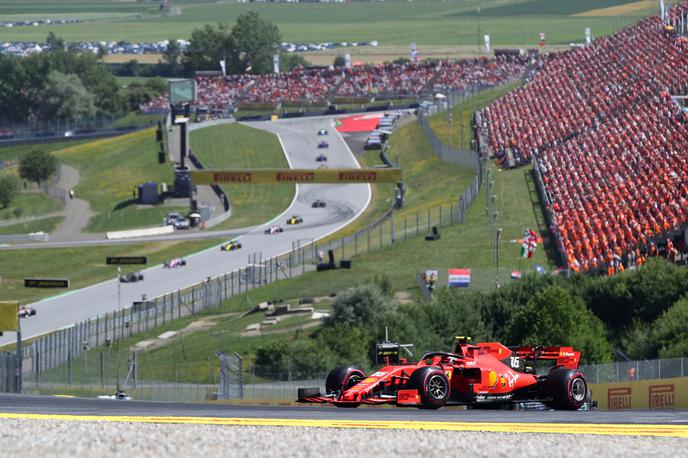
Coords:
9,316
669,393
276,176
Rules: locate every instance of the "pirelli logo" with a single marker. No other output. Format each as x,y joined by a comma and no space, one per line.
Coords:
662,396
295,177
362,176
281,176
619,398
232,177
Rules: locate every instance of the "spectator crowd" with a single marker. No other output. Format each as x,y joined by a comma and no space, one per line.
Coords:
319,85
608,136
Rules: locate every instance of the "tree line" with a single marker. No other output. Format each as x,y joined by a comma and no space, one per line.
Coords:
639,314
66,83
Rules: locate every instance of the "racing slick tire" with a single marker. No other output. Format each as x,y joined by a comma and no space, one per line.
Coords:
341,379
567,388
432,385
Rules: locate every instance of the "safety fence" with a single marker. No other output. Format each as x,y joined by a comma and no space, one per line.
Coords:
102,373
9,373
628,371
463,157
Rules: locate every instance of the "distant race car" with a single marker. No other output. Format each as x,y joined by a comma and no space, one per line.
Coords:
131,277
323,144
321,158
174,263
319,204
25,311
295,220
120,396
482,374
322,132
273,230
230,246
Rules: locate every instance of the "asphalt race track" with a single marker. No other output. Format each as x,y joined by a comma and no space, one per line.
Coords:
299,139
651,423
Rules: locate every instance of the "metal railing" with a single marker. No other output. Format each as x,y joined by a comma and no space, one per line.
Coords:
629,371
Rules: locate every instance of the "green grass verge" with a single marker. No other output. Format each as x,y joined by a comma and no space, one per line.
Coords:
31,204
459,132
241,147
110,169
41,225
83,266
137,119
11,153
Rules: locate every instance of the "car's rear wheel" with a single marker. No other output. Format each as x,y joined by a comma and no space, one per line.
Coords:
432,385
567,388
341,379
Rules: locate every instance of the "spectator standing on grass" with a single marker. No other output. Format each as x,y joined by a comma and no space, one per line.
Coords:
71,194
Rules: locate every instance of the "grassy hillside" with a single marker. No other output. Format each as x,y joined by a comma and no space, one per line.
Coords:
110,169
243,147
431,22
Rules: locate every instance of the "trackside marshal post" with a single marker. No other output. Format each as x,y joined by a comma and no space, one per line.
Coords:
276,176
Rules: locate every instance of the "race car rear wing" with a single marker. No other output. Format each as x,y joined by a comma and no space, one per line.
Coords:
565,357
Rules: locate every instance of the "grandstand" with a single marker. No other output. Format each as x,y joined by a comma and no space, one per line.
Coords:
410,80
607,138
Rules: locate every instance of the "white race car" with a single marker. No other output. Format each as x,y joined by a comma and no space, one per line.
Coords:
174,263
273,230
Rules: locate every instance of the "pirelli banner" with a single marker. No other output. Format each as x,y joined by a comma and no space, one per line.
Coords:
667,393
316,176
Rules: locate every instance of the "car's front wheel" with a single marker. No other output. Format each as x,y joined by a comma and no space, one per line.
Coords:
432,385
341,379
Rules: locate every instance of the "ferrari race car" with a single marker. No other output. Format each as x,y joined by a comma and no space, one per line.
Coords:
323,144
319,204
131,277
474,375
295,220
26,311
322,132
230,246
321,158
273,230
174,263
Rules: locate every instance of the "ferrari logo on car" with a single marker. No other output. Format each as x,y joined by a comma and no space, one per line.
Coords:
448,373
503,380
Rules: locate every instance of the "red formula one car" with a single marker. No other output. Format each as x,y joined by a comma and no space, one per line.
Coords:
474,375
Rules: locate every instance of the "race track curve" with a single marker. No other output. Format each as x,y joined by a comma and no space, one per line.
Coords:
299,139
